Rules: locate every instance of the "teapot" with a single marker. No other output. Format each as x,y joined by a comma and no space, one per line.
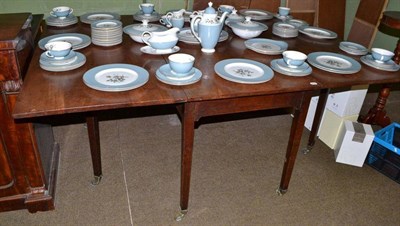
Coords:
207,28
161,40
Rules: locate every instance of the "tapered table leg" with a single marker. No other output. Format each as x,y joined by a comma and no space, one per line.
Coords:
377,115
94,140
188,121
296,132
323,96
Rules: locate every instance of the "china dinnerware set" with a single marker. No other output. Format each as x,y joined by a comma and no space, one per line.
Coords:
61,16
106,32
285,30
59,56
292,64
88,18
179,70
380,59
146,12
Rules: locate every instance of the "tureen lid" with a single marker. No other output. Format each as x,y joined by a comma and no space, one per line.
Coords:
210,9
249,25
138,29
235,16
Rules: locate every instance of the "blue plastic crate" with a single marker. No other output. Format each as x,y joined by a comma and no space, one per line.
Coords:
384,155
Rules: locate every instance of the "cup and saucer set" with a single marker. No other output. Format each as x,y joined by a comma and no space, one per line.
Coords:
179,71
146,12
283,13
292,64
59,57
380,59
61,16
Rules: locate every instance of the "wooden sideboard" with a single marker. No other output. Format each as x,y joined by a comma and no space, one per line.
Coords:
28,153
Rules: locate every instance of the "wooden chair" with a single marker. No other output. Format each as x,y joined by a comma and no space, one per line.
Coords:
365,23
326,14
269,5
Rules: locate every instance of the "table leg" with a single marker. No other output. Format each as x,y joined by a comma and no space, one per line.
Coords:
377,115
94,140
188,122
296,132
323,97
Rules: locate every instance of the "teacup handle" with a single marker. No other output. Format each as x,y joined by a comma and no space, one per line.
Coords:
52,14
49,54
166,22
195,21
71,10
145,39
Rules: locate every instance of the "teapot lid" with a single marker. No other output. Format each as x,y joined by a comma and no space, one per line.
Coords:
210,9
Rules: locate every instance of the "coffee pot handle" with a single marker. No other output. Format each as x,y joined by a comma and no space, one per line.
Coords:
195,22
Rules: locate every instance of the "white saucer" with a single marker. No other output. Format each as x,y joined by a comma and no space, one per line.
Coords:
289,71
152,51
169,73
282,64
165,75
387,66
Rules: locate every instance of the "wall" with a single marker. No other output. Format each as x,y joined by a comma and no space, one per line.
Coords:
131,6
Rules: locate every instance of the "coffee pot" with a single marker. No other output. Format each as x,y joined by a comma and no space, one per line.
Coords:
207,28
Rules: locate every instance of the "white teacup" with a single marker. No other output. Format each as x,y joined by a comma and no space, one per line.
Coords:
283,11
293,58
381,55
58,49
147,8
61,11
181,63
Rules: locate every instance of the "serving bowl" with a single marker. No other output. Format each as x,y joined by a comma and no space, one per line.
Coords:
247,29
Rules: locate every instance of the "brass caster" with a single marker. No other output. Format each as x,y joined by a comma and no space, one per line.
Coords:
181,215
280,191
96,180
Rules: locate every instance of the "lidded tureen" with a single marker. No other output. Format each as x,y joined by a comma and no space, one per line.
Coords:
247,29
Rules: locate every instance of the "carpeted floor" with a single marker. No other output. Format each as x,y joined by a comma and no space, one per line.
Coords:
237,166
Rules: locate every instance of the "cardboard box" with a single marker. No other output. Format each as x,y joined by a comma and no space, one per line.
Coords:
354,142
330,127
348,102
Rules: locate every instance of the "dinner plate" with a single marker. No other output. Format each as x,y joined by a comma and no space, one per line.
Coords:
257,14
353,48
152,51
333,62
186,36
243,71
316,32
387,66
266,46
88,18
49,66
77,40
115,77
276,65
165,75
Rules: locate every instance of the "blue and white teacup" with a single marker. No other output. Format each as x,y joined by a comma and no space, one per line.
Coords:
381,55
58,49
165,21
293,58
61,12
181,63
283,11
147,8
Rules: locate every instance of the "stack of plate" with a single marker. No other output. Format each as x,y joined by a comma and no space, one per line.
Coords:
88,18
353,48
72,61
57,22
77,40
106,32
266,46
285,30
297,23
